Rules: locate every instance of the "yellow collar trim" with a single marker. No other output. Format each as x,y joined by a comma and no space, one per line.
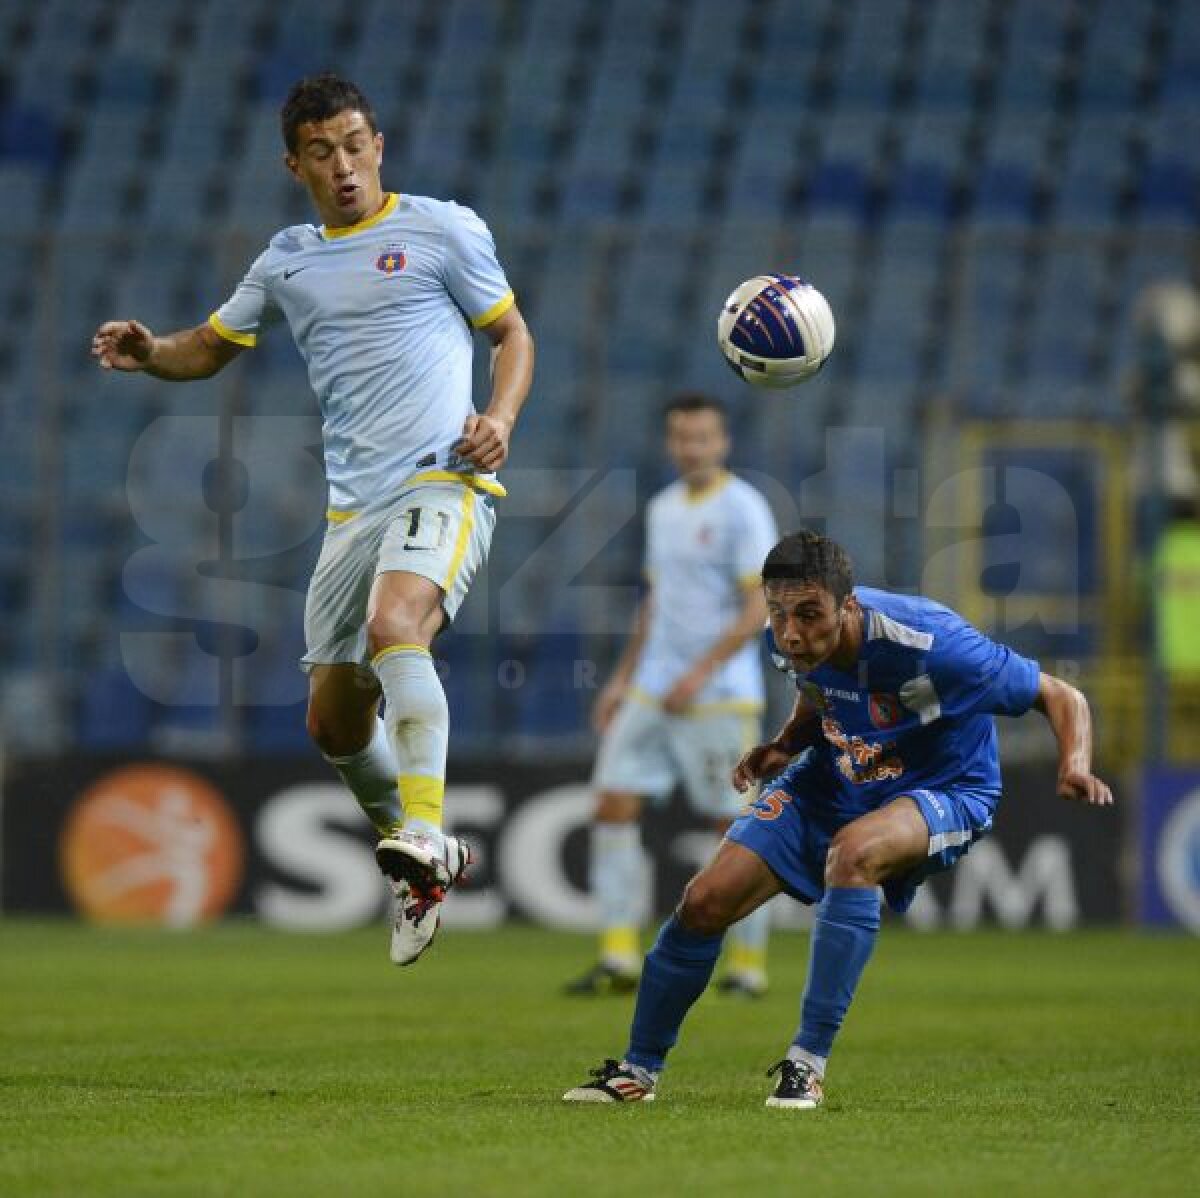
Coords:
389,206
707,492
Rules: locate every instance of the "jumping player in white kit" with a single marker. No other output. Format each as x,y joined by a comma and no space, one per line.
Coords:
381,299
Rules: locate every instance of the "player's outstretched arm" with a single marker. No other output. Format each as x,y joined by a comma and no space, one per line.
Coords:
486,434
1071,719
188,354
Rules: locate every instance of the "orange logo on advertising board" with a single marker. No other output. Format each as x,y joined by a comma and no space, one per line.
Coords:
151,844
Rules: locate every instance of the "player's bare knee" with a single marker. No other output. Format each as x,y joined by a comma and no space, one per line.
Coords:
851,861
707,907
613,807
397,626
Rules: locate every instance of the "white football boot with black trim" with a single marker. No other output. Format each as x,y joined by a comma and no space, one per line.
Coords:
422,871
615,1081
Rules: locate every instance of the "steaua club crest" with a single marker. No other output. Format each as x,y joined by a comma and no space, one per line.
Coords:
886,711
393,259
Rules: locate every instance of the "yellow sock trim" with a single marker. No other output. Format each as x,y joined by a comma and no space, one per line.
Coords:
743,959
421,797
619,943
399,649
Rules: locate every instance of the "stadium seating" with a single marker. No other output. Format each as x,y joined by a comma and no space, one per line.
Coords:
980,188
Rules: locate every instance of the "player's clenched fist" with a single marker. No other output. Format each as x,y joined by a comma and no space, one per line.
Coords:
485,442
122,345
763,761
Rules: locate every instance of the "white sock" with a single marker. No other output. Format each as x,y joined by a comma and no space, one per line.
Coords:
371,776
648,1077
802,1056
616,867
418,725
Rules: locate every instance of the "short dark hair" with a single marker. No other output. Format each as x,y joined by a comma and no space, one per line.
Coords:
806,556
317,98
695,401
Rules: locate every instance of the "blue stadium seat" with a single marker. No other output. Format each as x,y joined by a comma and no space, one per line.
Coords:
686,138
590,193
113,713
919,193
127,80
29,135
147,27
979,339
839,187
675,192
23,188
1004,197
954,30
870,56
1167,193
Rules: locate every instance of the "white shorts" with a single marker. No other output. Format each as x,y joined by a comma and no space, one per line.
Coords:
646,752
439,530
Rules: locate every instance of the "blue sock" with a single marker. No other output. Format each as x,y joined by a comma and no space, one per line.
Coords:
842,939
674,975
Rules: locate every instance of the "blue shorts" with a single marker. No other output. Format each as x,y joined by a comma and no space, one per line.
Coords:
790,826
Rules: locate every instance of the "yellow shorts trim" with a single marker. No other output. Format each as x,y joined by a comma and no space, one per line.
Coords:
464,539
223,330
494,313
399,649
720,706
489,486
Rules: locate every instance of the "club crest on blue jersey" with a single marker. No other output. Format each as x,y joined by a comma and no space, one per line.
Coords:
885,710
393,259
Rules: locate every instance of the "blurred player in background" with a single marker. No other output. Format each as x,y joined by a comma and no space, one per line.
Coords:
381,298
889,773
685,700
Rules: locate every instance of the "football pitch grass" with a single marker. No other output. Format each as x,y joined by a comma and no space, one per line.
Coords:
239,1061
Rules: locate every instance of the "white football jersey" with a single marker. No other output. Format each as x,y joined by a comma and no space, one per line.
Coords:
381,312
702,552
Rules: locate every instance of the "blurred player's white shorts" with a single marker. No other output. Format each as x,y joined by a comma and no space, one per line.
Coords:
646,752
439,530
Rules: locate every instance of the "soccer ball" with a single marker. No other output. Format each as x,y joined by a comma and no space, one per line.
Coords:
775,330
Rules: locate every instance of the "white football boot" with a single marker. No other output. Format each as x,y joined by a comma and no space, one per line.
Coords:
422,870
615,1081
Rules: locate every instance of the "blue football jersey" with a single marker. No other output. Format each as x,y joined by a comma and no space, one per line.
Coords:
917,711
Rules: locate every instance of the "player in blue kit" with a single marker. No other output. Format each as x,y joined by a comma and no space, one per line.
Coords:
381,299
886,772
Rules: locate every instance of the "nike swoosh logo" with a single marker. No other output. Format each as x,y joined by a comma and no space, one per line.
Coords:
287,274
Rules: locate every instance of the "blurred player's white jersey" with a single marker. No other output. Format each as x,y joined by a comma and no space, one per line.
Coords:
702,552
380,312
